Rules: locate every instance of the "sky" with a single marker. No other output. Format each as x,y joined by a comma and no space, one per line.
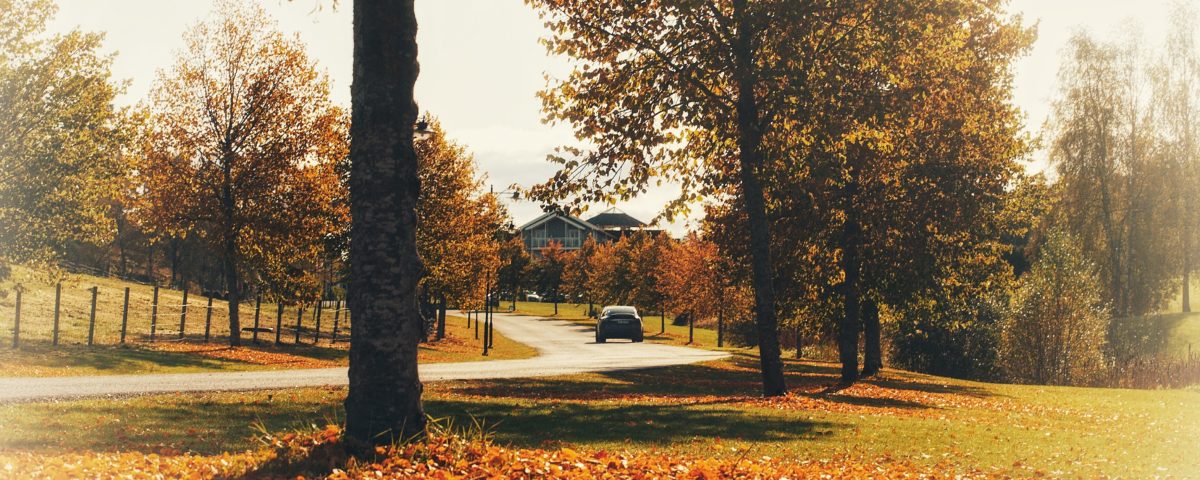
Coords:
482,66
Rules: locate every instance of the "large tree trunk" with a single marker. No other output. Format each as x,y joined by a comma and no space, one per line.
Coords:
384,401
849,327
230,251
872,344
750,161
234,293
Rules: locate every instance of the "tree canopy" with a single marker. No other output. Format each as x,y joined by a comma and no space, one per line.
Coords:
242,149
62,159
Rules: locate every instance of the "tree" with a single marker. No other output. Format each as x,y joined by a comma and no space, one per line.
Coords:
1056,334
243,150
644,252
515,264
1177,108
686,91
785,107
549,267
577,273
689,280
61,161
384,402
1112,177
458,221
920,162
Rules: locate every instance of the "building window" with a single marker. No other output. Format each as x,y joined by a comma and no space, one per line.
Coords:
539,239
573,238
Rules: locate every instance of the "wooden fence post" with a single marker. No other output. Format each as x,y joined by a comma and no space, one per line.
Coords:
299,320
92,317
208,321
154,314
57,305
278,322
125,316
337,313
16,322
183,314
257,310
317,328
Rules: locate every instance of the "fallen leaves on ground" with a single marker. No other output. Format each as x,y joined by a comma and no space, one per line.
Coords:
280,356
320,454
127,465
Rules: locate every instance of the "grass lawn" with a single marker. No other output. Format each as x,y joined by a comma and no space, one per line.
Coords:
704,410
40,359
37,356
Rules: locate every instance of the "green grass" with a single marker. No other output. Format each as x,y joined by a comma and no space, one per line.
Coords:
37,356
706,410
42,360
566,311
37,311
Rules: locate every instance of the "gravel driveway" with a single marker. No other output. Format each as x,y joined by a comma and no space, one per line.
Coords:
565,348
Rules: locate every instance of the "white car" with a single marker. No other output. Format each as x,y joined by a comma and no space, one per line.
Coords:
533,297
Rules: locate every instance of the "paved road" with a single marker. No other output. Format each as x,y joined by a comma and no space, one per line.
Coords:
565,348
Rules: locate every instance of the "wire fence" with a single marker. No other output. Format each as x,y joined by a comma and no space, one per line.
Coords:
150,314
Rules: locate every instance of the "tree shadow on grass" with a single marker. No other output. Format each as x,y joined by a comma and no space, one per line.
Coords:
104,359
200,423
639,424
134,358
705,384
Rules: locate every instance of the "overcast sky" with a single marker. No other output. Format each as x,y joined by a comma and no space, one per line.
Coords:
481,66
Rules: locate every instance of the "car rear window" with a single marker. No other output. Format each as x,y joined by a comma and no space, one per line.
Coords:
626,316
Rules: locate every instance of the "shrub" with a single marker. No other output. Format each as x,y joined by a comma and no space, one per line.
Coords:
1056,334
949,335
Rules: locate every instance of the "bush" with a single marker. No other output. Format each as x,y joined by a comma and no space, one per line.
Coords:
1056,334
955,337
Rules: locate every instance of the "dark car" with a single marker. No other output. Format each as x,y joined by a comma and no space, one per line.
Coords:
619,322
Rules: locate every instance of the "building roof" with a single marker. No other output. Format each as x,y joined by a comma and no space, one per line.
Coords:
614,218
546,217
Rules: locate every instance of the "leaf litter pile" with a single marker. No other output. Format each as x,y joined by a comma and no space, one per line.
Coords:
321,454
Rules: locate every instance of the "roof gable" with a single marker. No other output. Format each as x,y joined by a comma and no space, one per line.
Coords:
615,218
546,217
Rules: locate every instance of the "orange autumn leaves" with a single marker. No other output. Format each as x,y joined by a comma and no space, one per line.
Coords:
244,149
320,454
284,357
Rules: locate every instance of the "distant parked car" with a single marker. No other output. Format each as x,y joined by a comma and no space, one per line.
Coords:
533,297
619,322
